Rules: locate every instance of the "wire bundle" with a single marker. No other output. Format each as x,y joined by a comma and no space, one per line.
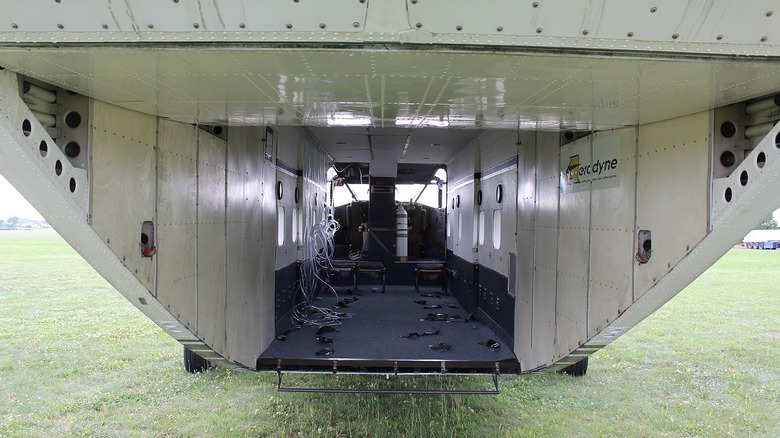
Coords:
318,253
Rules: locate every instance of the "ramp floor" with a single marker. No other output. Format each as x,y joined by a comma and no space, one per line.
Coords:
373,335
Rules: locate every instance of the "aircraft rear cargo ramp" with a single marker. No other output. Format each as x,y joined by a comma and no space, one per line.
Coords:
599,156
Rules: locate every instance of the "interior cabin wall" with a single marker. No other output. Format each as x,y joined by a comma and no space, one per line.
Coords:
289,141
301,165
496,207
287,144
461,248
435,235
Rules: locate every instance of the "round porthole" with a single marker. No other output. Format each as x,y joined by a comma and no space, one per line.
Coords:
453,204
457,201
479,197
297,195
499,193
279,190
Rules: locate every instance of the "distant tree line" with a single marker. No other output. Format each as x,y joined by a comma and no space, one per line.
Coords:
769,224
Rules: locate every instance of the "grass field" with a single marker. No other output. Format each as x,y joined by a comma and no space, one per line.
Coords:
76,359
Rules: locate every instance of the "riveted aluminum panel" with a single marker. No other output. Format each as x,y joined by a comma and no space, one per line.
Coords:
749,205
526,218
573,259
244,288
177,220
267,261
124,183
66,211
612,238
672,192
545,253
211,241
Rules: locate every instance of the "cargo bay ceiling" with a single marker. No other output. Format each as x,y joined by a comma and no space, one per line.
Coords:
393,71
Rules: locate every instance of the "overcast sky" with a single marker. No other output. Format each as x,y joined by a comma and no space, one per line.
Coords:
14,204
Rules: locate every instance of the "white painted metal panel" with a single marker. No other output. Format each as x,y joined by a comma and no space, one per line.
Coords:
612,24
612,235
287,253
496,147
463,233
545,253
672,192
289,141
177,220
456,89
211,240
702,27
526,217
151,18
460,201
124,183
463,164
573,263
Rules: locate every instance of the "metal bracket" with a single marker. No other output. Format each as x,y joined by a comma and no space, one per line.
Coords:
281,388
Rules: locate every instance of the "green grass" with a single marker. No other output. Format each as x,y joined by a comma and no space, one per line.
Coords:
76,359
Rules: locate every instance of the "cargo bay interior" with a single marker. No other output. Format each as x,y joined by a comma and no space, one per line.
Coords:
409,212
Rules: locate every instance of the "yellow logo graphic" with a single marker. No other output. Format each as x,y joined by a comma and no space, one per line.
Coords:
573,170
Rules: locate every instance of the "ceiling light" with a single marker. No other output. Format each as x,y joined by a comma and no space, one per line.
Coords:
348,119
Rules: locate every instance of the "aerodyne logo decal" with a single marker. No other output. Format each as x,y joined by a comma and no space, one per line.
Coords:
583,169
